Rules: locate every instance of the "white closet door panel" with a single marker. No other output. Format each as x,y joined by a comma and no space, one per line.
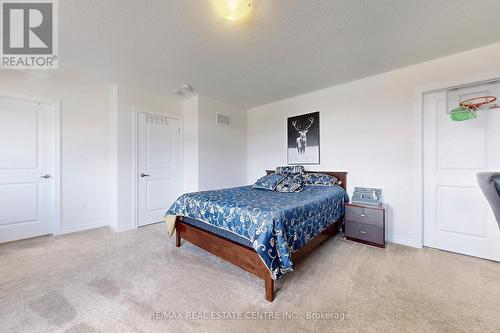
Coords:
456,215
158,166
27,167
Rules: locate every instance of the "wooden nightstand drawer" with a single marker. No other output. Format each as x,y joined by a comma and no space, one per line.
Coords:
365,232
366,215
365,224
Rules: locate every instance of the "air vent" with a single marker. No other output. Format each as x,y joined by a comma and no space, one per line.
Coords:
223,119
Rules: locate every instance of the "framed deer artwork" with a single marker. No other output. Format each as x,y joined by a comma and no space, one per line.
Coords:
303,139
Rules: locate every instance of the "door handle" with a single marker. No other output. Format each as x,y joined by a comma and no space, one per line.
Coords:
144,175
45,176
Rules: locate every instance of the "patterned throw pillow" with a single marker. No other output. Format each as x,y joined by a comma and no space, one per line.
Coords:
269,182
292,183
321,179
290,170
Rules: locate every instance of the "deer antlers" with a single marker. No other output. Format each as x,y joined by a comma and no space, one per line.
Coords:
311,121
300,128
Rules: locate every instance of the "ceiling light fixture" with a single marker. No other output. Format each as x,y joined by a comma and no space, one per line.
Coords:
232,10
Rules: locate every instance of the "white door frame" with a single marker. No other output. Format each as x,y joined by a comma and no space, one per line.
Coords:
57,226
135,152
420,93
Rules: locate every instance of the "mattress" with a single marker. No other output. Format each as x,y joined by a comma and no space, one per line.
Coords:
217,231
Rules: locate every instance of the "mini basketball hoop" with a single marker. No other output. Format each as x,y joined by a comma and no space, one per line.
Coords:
468,108
478,103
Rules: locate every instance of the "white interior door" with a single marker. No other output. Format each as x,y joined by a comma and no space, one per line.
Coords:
158,166
27,169
457,217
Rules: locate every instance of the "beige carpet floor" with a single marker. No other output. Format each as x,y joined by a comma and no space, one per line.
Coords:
100,281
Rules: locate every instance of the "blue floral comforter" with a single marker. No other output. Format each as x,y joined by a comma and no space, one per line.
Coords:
277,224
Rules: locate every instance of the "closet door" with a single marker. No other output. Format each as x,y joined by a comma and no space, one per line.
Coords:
27,169
157,166
457,217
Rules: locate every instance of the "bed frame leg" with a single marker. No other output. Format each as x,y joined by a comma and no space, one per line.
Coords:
269,288
177,238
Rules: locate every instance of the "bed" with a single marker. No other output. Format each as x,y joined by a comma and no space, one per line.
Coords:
262,232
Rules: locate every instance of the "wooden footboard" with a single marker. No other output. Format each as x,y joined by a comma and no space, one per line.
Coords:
240,255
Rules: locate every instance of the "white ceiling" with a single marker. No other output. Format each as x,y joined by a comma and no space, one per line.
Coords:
287,48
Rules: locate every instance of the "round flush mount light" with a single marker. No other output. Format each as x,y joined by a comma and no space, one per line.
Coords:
233,10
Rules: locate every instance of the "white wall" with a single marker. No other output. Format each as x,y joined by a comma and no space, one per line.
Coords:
214,155
128,100
368,128
84,149
190,144
222,148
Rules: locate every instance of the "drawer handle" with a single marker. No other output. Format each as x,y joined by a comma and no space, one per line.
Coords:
362,215
362,232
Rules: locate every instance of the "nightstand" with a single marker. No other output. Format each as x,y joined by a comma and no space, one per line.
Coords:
365,224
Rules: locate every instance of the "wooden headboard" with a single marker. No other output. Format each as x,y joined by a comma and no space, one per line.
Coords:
341,175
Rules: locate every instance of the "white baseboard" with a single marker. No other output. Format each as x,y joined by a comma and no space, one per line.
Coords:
402,241
122,228
83,227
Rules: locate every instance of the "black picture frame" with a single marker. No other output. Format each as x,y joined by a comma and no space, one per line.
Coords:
303,139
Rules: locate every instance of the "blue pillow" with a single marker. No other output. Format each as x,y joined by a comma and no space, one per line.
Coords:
290,170
269,182
321,179
292,183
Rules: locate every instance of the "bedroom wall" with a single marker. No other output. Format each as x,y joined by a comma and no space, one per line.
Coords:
84,134
214,155
222,152
191,146
368,128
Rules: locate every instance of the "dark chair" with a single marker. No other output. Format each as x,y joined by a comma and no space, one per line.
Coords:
489,182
